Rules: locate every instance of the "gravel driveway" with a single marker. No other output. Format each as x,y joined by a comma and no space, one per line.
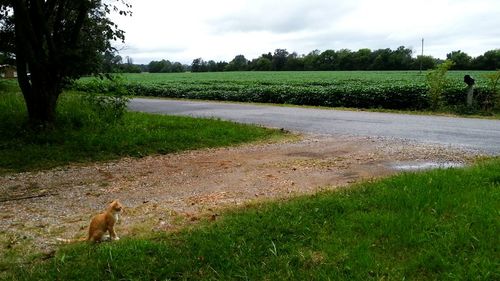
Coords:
163,192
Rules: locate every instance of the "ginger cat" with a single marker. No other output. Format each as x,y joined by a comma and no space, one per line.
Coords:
105,222
101,224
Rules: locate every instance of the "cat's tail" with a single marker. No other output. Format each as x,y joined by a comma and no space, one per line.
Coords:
62,240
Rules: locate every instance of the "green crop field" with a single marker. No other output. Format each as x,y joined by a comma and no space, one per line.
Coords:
358,89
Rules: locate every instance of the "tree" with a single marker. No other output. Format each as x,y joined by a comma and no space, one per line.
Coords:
261,64
279,59
110,62
199,65
380,59
461,60
212,66
178,67
361,59
400,59
490,60
311,60
56,41
424,63
326,60
239,63
294,62
344,59
221,65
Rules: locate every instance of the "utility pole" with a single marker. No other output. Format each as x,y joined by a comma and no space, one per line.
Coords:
422,56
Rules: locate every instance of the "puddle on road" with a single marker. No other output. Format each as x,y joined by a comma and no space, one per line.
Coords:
417,166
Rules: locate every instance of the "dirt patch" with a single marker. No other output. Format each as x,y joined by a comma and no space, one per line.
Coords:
158,191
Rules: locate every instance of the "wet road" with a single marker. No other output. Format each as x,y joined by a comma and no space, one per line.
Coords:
476,134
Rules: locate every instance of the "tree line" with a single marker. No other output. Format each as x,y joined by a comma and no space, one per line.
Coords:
281,60
344,59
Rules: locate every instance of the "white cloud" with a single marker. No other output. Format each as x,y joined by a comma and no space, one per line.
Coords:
221,29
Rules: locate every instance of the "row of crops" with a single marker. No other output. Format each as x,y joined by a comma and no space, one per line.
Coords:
390,90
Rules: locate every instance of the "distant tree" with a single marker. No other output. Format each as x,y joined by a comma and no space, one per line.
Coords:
56,41
327,60
461,60
268,56
424,62
279,59
155,66
311,60
344,60
221,65
239,63
166,66
110,62
178,67
199,65
261,64
212,66
361,59
380,59
400,59
490,60
294,62
129,66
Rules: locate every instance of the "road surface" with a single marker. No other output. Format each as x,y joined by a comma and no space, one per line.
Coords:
477,134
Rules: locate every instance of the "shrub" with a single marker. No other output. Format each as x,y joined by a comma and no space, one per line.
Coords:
492,97
437,82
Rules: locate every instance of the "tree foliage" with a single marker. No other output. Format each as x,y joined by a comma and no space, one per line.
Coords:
165,66
345,59
239,63
461,60
55,41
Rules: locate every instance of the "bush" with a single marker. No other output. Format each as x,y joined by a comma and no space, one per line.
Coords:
109,108
492,97
438,82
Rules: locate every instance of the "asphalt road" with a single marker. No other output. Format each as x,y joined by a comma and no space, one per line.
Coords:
476,134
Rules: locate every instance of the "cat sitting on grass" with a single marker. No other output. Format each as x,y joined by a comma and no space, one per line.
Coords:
102,223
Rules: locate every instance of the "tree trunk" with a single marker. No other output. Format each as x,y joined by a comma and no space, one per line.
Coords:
41,103
42,87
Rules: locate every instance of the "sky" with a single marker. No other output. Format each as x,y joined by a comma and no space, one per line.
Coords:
183,30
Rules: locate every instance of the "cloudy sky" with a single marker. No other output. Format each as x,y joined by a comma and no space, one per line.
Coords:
182,30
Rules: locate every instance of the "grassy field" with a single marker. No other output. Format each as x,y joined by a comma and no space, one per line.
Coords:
405,90
86,133
437,225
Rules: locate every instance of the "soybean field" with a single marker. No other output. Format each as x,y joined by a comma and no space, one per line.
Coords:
405,90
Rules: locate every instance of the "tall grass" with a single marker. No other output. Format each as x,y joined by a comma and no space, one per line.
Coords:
438,225
85,130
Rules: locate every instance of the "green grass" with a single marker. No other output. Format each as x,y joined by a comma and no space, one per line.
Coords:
437,225
85,134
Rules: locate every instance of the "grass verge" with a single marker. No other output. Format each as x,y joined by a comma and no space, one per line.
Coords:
437,225
86,134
